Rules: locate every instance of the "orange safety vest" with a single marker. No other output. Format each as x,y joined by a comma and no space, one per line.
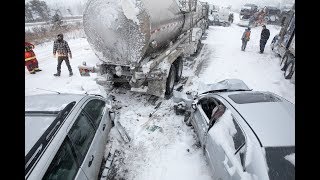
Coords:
29,55
247,35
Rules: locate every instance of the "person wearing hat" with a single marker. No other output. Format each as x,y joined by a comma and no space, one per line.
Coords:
265,34
30,58
62,50
245,38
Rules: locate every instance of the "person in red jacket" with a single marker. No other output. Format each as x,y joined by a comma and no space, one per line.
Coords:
30,58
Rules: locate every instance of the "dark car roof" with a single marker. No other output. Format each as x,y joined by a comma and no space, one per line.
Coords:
273,120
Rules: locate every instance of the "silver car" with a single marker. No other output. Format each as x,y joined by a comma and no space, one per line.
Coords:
245,134
65,135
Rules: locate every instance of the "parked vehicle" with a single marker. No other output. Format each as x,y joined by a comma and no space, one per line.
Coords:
285,46
146,48
248,9
221,17
273,15
65,135
244,21
244,134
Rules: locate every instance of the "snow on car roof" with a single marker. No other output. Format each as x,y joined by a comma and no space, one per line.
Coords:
273,122
50,102
34,128
227,84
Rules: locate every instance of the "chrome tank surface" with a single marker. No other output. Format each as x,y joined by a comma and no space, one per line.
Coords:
120,32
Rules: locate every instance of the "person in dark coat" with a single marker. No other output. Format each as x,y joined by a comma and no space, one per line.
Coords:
265,34
62,50
245,38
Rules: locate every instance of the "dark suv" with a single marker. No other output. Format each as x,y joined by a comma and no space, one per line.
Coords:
248,9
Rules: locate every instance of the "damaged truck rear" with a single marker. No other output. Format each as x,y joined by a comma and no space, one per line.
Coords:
143,42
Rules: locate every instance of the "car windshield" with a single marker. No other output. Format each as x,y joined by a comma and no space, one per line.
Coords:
281,162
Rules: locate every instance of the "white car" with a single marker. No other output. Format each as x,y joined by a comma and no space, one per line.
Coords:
244,134
65,135
244,22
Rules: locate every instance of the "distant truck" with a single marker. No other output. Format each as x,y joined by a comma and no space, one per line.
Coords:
220,17
273,15
248,10
284,45
143,43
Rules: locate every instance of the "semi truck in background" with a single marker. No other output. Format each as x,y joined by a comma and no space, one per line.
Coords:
284,45
143,43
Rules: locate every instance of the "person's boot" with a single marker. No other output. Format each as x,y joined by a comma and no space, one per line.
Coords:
37,69
56,74
32,72
70,74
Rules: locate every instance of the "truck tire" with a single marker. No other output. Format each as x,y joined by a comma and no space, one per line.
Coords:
170,80
179,67
289,70
283,62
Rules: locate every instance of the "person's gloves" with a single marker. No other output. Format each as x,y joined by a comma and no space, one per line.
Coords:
70,56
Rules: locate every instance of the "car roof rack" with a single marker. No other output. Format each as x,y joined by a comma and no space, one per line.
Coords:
43,142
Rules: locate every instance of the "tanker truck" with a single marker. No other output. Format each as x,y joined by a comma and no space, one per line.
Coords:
143,42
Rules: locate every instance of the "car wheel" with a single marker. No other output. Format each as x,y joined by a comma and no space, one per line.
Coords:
289,70
179,66
170,80
283,62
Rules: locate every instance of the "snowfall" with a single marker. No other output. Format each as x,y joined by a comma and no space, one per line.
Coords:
162,147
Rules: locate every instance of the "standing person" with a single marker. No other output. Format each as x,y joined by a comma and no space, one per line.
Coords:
245,38
30,58
265,33
61,48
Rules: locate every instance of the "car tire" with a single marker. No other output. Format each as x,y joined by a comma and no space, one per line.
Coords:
170,80
283,62
179,67
289,70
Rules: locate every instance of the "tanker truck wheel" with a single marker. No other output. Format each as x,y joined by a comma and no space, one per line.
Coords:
170,80
179,66
283,62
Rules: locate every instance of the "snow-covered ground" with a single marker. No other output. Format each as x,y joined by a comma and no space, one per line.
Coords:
162,146
260,72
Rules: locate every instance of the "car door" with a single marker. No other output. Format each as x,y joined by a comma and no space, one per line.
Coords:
64,165
200,122
98,113
226,159
86,140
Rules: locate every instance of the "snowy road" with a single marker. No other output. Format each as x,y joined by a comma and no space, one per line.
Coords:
162,146
259,71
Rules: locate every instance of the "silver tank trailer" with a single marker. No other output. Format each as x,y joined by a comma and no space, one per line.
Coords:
122,32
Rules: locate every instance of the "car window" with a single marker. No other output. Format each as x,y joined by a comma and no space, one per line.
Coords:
63,165
81,135
95,109
239,142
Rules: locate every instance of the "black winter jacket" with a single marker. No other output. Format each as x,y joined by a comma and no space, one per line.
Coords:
265,33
